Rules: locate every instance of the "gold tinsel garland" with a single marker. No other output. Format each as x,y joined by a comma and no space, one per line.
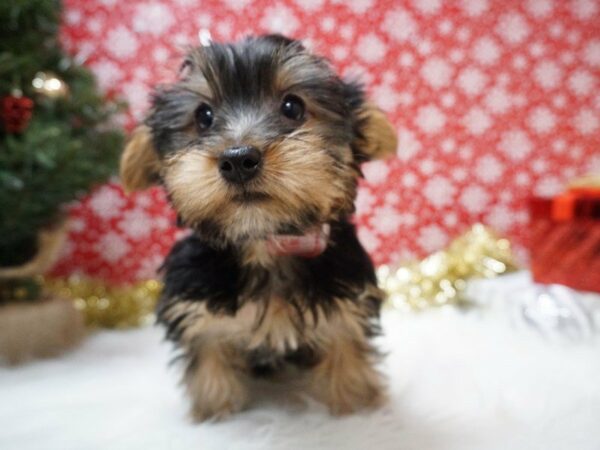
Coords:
437,280
440,278
108,306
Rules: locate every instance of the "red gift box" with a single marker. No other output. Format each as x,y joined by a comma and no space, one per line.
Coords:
565,239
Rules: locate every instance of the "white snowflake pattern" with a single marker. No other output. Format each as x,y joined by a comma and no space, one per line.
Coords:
149,266
408,144
559,145
591,53
522,179
279,19
160,54
437,72
400,25
474,8
112,247
357,6
520,62
137,96
439,191
427,166
364,201
347,31
567,58
386,220
476,121
457,55
309,5
498,100
584,9
548,186
581,82
376,172
368,239
537,49
559,101
448,145
386,97
430,119
371,48
513,28
539,8
547,74
136,224
328,24
152,18
106,202
542,120
407,59
515,144
593,165
489,169
445,27
73,16
107,72
486,51
424,47
472,81
500,218
448,99
409,180
586,121
340,52
474,199
428,6
539,166
450,219
121,43
432,238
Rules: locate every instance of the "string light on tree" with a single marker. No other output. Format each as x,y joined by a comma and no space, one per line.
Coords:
48,84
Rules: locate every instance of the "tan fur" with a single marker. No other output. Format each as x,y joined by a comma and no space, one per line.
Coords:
297,175
216,386
380,139
140,163
344,378
37,330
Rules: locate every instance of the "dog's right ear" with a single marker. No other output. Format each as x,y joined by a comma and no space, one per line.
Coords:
140,164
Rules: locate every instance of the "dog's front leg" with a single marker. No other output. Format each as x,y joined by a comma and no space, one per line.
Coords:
215,381
346,378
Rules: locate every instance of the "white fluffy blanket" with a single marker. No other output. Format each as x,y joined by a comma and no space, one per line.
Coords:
458,380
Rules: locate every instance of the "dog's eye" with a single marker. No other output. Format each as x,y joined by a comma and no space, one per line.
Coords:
204,116
292,107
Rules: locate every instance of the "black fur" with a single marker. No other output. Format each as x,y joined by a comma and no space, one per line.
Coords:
196,270
241,77
245,92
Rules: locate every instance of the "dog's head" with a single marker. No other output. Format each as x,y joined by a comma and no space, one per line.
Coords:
256,138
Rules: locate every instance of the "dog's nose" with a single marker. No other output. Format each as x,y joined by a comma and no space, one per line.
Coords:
239,164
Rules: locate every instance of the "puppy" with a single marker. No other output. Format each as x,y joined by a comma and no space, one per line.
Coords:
258,146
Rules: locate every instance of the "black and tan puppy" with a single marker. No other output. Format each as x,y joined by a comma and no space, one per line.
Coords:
258,146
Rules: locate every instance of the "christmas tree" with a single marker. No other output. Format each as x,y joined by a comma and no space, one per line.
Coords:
56,140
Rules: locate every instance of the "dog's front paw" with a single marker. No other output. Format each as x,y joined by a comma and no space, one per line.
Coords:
210,411
345,396
218,399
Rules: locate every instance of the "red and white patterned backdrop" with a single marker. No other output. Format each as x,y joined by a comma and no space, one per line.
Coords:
493,100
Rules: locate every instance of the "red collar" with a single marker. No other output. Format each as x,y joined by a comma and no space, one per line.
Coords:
309,245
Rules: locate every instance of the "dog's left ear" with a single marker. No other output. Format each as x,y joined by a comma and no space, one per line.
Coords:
378,138
140,164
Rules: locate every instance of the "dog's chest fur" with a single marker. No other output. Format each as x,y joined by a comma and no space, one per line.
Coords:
264,304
